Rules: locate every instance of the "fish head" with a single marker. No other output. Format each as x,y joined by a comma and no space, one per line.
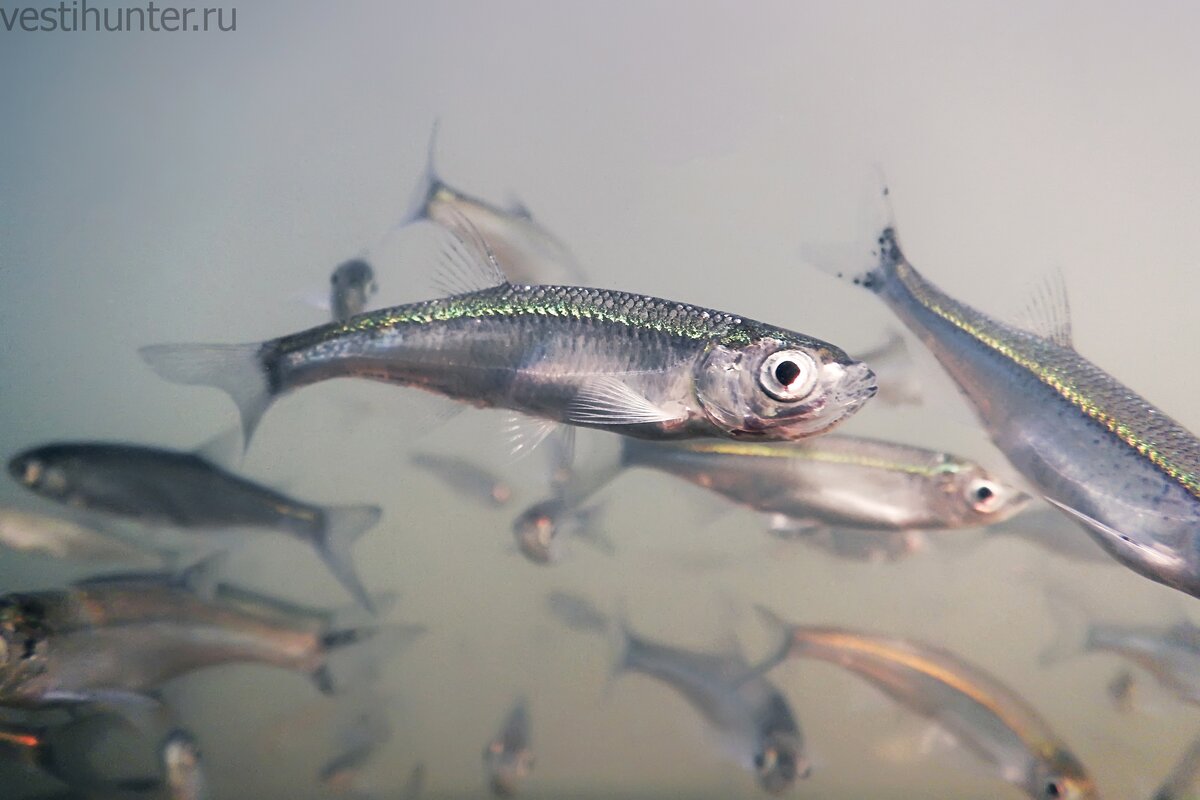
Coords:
780,761
535,531
969,495
779,387
42,471
355,273
1060,776
182,764
24,640
506,769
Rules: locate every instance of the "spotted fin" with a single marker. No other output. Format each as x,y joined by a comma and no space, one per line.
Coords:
606,400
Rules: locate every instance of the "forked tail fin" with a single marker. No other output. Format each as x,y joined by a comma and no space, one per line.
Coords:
237,369
335,541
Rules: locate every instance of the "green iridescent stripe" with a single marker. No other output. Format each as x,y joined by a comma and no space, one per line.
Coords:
1052,378
679,321
823,456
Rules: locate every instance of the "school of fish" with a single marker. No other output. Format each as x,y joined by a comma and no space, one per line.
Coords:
739,408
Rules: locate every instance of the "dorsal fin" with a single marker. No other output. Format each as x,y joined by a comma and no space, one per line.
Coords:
1047,312
466,263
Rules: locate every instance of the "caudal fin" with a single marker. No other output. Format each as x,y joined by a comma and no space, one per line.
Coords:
343,526
366,647
236,369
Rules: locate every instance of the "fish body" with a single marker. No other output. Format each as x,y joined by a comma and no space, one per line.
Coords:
468,479
508,758
982,714
615,361
1093,447
33,532
184,490
735,698
839,481
351,286
577,612
1172,656
529,251
183,768
129,635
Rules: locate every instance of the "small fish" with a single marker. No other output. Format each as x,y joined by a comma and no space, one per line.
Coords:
1170,654
351,286
363,737
56,537
1096,450
615,361
508,758
1122,690
736,700
530,253
838,481
1184,781
577,612
468,479
183,767
538,528
983,715
120,637
185,490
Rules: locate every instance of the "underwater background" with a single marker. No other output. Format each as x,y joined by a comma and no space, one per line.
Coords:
162,187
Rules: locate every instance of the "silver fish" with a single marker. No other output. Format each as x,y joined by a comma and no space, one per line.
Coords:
508,758
736,700
982,714
468,479
1183,783
529,252
610,360
839,481
122,636
185,490
1094,448
33,532
351,286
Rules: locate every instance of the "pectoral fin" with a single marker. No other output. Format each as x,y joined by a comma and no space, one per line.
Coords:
607,400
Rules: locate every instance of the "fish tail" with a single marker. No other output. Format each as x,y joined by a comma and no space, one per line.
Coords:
1071,628
427,186
626,645
238,369
869,262
334,542
783,640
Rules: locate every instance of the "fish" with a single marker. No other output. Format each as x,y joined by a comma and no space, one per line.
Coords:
185,490
183,767
351,286
735,698
362,738
537,530
508,758
117,638
577,612
1091,446
1122,690
839,481
466,478
1183,782
982,714
530,252
859,498
627,363
56,537
1171,654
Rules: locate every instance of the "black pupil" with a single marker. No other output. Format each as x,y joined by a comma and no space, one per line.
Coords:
786,372
984,493
1053,790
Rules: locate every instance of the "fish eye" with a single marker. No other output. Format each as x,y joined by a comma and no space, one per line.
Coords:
32,472
788,375
1054,789
983,495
